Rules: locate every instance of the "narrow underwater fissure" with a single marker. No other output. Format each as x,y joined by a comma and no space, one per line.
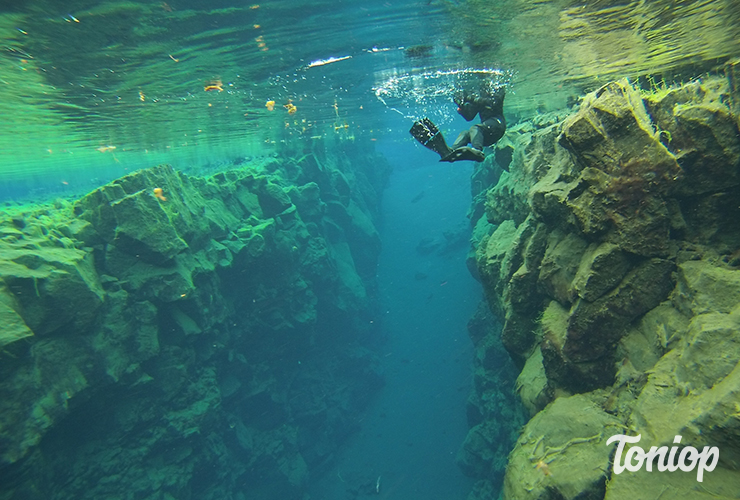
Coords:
409,437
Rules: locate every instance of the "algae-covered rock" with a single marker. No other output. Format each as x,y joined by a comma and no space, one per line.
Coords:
578,344
14,328
533,154
720,484
693,390
664,325
613,127
732,70
156,227
143,228
478,451
53,287
532,384
155,307
562,452
273,199
627,172
637,290
696,123
560,264
494,255
601,268
703,287
563,372
508,265
594,327
308,200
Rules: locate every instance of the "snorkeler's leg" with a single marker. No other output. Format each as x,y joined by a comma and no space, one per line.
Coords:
476,137
460,149
462,140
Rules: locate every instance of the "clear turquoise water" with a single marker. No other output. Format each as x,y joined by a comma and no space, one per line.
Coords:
92,90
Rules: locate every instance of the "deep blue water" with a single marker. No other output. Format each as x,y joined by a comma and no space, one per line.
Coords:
412,431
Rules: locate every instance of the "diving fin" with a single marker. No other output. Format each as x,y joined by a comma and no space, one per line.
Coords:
430,137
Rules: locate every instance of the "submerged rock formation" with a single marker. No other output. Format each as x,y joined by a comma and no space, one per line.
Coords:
609,251
214,339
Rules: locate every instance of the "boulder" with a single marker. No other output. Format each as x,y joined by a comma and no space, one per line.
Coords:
703,287
693,390
55,289
559,265
594,327
562,452
601,268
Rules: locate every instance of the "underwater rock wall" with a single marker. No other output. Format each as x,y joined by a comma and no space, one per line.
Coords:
169,336
610,252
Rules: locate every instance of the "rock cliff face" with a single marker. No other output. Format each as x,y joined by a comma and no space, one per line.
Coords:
610,252
212,340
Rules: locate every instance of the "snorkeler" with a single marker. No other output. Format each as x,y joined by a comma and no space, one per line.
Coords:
490,107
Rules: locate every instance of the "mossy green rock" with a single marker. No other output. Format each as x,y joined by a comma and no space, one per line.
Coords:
601,268
560,264
143,228
638,193
693,390
128,312
532,384
594,327
273,199
720,484
697,122
611,128
703,287
562,452
54,287
14,328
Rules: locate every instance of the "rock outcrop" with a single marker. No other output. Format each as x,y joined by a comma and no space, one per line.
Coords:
609,251
214,339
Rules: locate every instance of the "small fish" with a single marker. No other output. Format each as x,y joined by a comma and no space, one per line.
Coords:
103,149
159,194
69,18
214,85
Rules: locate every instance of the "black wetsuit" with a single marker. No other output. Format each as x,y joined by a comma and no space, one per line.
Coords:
492,123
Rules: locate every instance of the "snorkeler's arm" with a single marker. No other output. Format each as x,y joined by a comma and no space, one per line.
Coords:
467,109
498,96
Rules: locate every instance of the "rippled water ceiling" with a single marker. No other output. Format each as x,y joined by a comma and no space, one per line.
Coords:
84,82
560,46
